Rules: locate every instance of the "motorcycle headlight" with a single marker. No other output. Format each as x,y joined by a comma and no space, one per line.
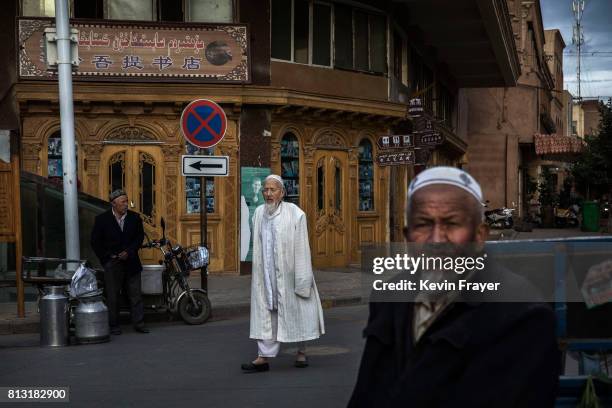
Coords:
197,257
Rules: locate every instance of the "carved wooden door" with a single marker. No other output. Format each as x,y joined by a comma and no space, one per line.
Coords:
331,221
137,171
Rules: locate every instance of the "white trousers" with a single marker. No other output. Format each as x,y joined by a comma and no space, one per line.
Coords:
270,348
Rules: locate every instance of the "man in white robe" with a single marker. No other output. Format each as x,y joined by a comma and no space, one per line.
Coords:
285,304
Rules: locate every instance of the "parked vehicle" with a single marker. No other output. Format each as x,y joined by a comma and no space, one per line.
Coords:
604,209
567,217
191,304
500,217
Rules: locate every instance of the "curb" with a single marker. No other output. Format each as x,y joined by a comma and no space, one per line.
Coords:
19,326
30,324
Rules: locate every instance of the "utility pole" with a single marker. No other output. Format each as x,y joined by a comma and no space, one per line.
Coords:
578,37
69,168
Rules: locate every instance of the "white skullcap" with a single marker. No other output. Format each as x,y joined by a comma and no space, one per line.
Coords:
446,175
276,178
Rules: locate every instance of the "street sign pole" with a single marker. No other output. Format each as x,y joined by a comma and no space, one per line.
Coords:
203,124
69,168
204,230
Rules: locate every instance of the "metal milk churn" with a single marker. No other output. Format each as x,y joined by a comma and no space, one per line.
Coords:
54,317
91,320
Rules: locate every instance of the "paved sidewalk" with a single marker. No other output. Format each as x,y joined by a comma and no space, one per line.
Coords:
228,294
543,233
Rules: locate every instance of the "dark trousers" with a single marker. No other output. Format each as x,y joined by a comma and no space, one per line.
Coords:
117,277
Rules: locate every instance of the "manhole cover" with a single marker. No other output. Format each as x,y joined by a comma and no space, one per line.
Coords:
319,350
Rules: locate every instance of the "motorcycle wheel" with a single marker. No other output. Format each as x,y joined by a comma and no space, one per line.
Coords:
194,314
492,223
508,223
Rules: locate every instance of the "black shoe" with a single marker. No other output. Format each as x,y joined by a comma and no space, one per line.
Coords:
115,330
301,364
140,328
255,368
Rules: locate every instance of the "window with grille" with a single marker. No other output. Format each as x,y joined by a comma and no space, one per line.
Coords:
193,186
366,176
290,167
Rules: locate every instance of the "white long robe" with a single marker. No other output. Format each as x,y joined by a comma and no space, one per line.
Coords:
300,315
245,230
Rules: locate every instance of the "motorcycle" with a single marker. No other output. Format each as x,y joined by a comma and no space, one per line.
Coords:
604,210
191,304
567,217
499,217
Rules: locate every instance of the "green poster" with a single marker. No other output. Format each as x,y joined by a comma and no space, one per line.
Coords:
251,197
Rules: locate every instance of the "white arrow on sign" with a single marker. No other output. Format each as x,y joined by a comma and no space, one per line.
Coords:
205,165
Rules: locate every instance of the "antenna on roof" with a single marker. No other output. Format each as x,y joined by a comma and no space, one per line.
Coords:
578,36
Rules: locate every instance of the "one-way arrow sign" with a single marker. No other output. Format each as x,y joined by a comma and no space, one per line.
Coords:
205,165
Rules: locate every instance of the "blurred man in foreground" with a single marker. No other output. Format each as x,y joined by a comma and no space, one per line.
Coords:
443,351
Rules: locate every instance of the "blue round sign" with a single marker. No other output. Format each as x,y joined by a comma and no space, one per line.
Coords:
203,123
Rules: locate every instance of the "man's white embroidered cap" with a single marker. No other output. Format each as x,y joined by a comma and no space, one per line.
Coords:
276,178
446,175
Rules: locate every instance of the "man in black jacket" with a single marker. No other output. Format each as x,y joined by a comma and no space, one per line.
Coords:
443,349
116,238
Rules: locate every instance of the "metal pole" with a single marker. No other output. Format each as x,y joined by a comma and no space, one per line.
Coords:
203,230
16,165
64,69
579,54
578,36
560,265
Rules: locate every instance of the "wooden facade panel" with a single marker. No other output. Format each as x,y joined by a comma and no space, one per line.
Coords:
100,135
191,236
340,245
332,136
9,193
327,81
321,245
366,232
334,147
7,216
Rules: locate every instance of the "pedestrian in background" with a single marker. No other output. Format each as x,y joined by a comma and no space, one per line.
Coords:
285,304
116,238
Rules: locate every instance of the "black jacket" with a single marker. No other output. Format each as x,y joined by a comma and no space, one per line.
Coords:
107,239
474,355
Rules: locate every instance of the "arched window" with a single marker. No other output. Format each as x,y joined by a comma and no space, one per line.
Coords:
147,187
116,172
366,176
290,167
54,156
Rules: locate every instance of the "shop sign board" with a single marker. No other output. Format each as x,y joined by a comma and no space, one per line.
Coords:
395,158
395,142
429,139
114,50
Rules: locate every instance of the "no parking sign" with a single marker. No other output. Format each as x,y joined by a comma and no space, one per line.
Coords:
203,123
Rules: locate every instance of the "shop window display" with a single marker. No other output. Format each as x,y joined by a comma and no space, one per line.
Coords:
54,156
366,177
193,185
290,167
